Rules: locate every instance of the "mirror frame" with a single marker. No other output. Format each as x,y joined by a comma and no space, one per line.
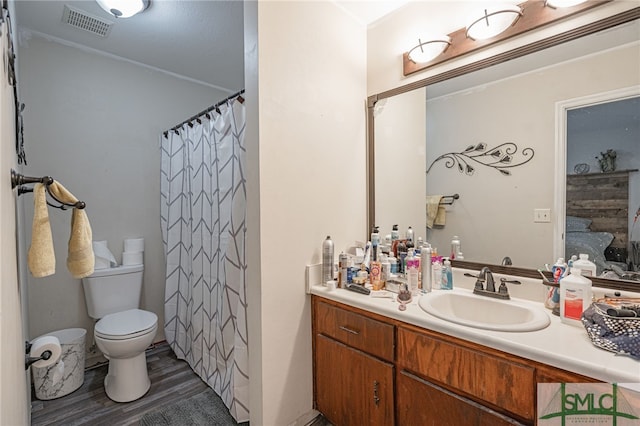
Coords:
575,33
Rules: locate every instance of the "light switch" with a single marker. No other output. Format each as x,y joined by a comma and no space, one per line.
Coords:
542,215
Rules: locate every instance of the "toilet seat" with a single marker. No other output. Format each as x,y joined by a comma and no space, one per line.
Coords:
126,325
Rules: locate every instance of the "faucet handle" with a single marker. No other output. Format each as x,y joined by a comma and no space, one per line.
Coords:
503,286
479,281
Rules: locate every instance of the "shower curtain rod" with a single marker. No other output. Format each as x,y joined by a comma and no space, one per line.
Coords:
205,112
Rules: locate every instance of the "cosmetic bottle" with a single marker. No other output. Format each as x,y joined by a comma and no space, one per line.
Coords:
402,255
425,265
412,271
393,264
395,234
410,235
342,270
375,243
385,270
436,269
327,260
375,274
447,276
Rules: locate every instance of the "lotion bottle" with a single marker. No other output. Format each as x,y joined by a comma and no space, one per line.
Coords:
425,265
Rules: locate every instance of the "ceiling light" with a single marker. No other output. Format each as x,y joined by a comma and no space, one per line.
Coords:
123,8
494,21
430,49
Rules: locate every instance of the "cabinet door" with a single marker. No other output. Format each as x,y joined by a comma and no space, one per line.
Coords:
422,403
352,388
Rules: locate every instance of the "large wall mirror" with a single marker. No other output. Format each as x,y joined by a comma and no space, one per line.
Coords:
522,143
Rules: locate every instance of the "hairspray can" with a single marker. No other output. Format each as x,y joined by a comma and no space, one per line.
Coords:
327,260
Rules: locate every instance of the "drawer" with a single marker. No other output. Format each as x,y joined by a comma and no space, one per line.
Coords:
356,330
497,380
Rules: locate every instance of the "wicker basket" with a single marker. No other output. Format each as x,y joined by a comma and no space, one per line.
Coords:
608,330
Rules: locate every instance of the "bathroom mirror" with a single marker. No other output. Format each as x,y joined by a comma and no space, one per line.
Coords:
451,115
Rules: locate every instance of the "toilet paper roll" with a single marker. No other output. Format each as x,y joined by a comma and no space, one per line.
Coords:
103,255
132,258
42,344
132,245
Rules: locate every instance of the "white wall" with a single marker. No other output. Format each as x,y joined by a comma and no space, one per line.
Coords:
494,209
13,389
311,75
400,154
93,123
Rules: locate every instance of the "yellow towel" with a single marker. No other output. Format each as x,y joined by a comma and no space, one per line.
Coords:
435,211
41,257
80,259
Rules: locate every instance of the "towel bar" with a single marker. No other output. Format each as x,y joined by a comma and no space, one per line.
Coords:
449,199
19,180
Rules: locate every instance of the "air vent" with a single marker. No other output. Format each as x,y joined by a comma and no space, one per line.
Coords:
80,19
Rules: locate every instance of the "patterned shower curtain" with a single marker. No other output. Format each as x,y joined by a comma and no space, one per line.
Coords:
203,205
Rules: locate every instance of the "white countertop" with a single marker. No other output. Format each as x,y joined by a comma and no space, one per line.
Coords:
560,345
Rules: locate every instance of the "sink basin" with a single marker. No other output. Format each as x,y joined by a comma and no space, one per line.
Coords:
483,312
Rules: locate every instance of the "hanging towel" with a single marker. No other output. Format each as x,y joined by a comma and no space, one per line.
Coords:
41,257
435,211
80,258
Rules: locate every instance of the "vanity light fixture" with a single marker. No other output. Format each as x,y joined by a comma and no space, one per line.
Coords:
494,21
430,49
123,8
555,4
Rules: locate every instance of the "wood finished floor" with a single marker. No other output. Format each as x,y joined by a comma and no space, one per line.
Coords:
171,380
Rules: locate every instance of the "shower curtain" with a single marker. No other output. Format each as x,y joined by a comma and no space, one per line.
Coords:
203,205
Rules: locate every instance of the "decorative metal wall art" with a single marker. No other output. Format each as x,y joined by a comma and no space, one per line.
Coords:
501,158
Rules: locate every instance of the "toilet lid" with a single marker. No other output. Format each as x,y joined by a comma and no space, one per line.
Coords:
126,324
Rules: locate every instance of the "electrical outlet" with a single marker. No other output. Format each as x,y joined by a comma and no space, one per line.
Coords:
542,215
313,276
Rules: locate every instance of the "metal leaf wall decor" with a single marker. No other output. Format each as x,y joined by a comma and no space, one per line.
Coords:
501,158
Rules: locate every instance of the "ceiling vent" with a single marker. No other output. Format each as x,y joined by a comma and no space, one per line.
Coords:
80,19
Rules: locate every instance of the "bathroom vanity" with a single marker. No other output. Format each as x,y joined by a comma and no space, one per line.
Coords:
376,365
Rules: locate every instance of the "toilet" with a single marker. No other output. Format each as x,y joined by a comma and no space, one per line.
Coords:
123,332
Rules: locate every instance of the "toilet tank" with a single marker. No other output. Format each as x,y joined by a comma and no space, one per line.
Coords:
112,290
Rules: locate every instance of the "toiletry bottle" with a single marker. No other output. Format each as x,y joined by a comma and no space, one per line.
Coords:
575,297
402,255
588,267
393,264
395,234
342,270
412,271
447,276
375,243
455,247
436,268
375,274
425,264
410,235
385,269
327,260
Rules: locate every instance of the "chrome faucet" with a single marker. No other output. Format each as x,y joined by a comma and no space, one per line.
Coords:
486,277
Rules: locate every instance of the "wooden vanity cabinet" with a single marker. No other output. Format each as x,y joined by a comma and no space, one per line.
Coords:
438,379
353,366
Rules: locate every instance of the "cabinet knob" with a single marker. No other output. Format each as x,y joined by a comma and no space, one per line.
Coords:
376,399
